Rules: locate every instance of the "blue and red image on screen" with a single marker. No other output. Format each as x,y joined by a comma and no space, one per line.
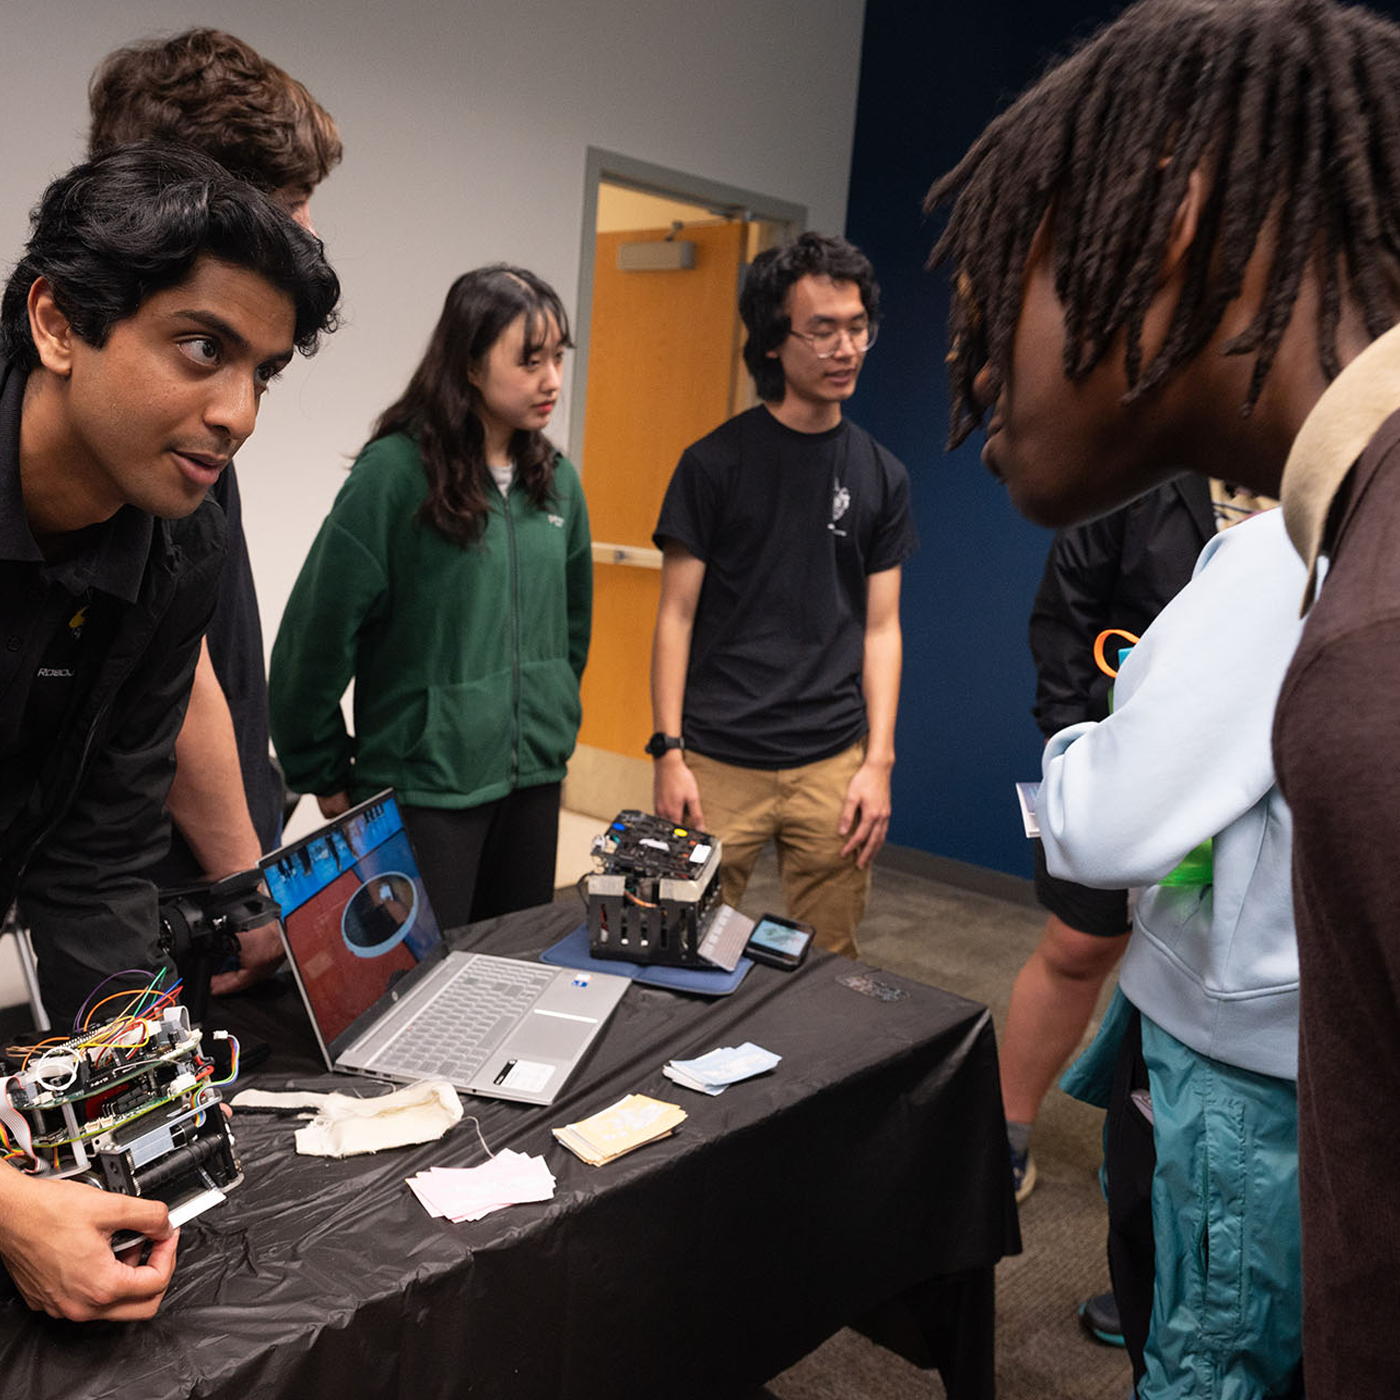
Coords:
354,909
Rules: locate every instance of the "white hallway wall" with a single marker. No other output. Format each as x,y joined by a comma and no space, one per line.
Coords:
465,129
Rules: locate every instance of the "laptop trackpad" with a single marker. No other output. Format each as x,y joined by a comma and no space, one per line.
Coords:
550,1036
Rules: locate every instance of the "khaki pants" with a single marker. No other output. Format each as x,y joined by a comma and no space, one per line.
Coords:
797,809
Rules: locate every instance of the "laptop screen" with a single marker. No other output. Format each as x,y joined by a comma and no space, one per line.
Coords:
354,910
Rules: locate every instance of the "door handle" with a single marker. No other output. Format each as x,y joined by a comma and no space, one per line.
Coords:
634,556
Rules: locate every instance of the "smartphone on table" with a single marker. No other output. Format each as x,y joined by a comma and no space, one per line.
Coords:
779,942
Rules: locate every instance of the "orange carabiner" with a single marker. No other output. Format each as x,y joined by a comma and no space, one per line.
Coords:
1103,636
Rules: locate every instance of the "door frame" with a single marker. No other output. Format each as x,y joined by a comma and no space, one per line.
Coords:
635,174
601,782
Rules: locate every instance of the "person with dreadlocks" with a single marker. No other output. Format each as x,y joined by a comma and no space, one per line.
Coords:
1182,245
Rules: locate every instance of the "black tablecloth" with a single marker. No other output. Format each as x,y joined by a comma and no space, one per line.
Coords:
872,1163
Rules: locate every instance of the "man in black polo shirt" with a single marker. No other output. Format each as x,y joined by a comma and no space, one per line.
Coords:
775,670
156,300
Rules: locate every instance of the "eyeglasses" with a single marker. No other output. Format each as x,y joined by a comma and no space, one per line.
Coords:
826,343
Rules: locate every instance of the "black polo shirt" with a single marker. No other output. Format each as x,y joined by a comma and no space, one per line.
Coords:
56,617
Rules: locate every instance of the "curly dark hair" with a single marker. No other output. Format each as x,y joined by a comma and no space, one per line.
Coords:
113,231
1290,108
207,89
439,407
763,301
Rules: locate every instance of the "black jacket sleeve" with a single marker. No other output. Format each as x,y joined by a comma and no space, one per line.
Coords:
1118,571
1072,606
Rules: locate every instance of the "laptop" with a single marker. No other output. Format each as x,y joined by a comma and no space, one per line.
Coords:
388,998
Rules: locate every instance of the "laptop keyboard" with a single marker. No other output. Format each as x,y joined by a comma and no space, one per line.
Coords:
452,1035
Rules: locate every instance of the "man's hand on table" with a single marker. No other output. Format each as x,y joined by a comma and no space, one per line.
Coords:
55,1240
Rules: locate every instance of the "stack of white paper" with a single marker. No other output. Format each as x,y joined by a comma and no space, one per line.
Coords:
468,1193
712,1073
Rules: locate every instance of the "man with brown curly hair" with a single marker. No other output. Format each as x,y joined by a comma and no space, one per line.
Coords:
208,89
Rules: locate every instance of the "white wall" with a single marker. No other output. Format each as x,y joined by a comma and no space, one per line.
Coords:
465,128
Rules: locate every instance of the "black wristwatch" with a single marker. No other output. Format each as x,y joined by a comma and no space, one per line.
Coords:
660,743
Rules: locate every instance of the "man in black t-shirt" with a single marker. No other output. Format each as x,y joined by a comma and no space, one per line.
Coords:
775,669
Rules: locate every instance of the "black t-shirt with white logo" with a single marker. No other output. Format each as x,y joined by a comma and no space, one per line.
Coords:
789,526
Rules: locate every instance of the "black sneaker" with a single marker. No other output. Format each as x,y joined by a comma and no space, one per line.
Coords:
1099,1317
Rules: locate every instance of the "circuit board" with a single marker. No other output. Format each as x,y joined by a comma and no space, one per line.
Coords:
654,889
130,1104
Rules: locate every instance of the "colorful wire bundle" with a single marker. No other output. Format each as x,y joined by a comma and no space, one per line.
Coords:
118,1048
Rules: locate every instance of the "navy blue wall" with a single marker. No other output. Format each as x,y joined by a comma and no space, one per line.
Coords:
931,76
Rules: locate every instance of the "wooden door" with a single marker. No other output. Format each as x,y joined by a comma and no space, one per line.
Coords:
663,370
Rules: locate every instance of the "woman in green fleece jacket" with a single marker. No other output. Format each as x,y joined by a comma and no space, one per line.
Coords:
452,581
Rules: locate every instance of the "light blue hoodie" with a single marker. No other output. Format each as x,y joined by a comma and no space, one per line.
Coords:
1186,756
